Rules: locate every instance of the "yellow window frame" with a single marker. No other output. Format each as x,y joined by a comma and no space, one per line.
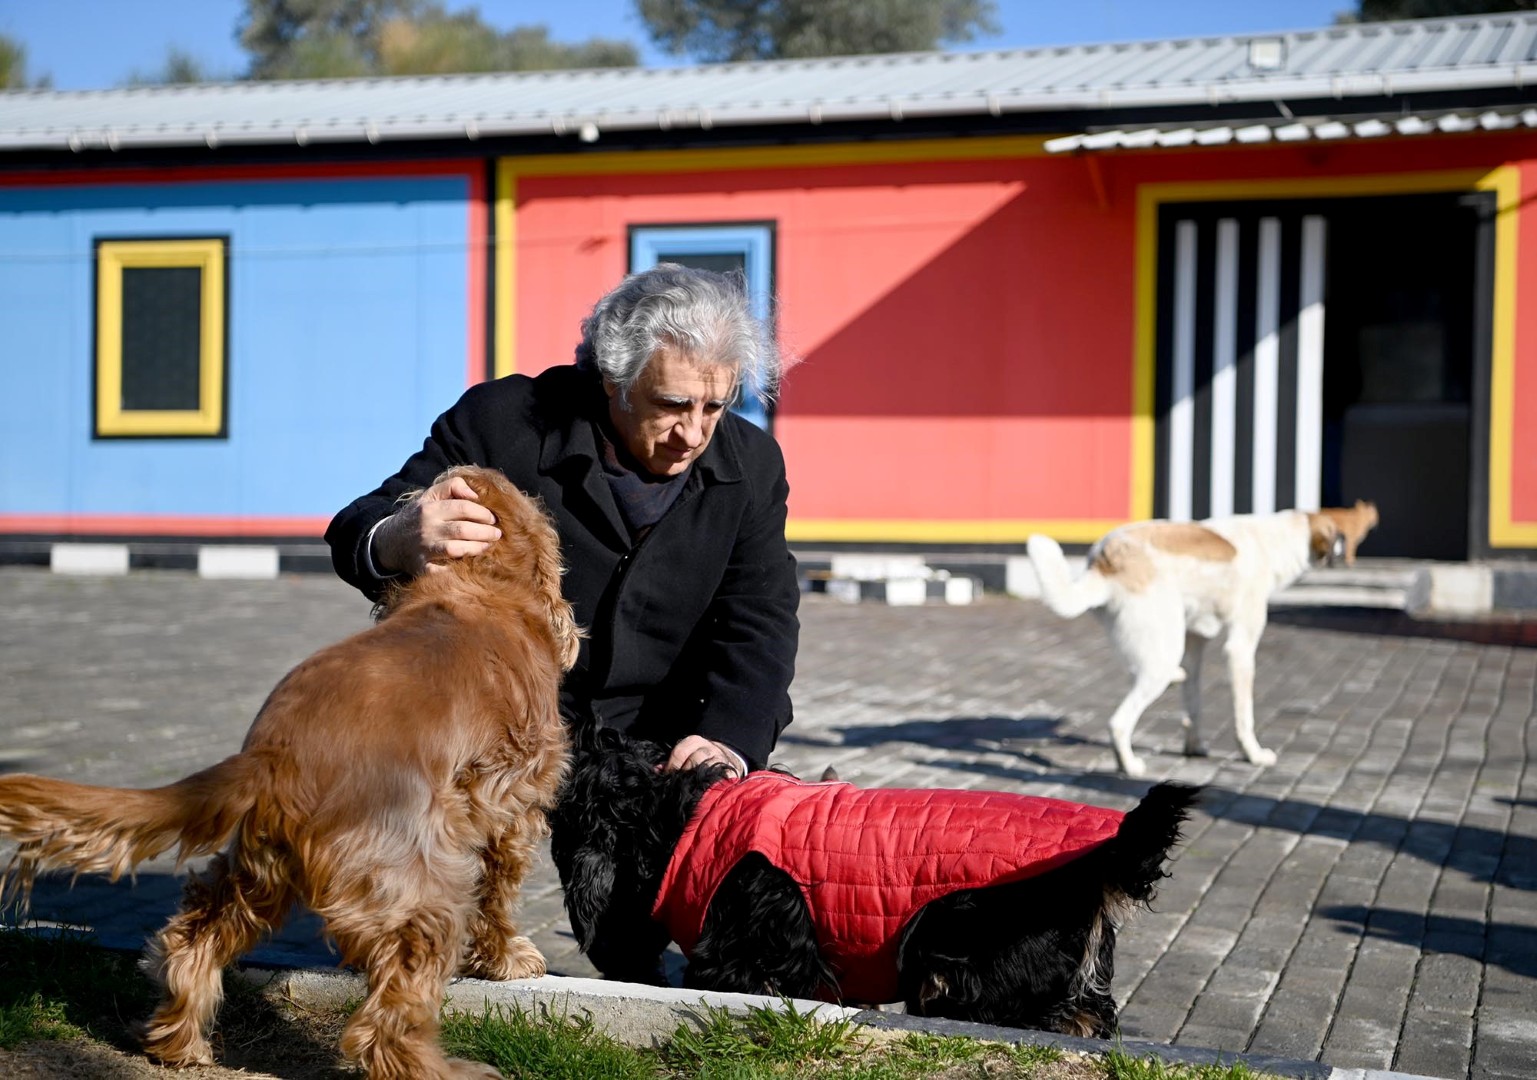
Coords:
112,258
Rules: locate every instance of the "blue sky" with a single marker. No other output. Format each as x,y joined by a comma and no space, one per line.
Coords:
87,44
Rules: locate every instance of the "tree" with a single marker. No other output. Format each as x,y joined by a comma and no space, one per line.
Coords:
439,43
180,68
13,67
308,39
1384,10
713,30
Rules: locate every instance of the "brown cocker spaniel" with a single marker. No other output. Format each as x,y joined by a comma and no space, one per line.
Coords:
396,783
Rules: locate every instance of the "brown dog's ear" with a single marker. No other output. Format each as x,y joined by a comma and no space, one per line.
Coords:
524,522
548,568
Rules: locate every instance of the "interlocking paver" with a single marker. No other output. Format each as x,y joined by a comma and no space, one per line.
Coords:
1370,901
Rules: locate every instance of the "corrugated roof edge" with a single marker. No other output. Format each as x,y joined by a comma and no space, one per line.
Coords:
855,88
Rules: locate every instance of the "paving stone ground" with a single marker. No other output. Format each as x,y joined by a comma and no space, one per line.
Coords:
1369,902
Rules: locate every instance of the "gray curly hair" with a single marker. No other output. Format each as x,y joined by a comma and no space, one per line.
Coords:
701,312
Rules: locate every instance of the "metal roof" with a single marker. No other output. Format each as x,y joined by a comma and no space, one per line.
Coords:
1287,130
1370,60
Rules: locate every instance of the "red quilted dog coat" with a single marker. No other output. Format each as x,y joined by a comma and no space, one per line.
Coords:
867,859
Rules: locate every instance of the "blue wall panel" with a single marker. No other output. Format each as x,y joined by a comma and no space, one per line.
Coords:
347,329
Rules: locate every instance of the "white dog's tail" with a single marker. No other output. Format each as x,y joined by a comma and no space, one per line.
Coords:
1069,597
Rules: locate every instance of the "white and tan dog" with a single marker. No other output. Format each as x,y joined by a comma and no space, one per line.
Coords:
1164,588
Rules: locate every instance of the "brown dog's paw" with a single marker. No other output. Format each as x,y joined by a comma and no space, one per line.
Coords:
176,1045
518,959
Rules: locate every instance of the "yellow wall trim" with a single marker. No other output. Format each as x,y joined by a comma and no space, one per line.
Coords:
1505,183
781,157
504,315
112,258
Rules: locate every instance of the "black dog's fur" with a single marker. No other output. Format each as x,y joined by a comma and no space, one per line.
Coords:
1037,953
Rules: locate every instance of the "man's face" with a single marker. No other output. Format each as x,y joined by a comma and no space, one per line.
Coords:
674,407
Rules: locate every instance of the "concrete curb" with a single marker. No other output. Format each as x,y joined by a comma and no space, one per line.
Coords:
646,1016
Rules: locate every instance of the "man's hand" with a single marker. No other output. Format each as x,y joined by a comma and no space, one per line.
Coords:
445,522
696,750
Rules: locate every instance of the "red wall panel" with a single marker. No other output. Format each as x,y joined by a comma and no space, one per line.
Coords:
947,323
964,332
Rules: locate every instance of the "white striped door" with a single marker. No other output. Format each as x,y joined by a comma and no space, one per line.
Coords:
1240,360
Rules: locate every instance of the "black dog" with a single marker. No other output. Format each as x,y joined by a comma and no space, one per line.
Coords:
1036,951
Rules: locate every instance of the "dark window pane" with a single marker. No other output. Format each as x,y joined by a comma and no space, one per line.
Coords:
721,264
162,317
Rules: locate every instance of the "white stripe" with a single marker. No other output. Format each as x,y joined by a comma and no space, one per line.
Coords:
1267,363
237,561
88,558
1181,398
1310,365
1224,373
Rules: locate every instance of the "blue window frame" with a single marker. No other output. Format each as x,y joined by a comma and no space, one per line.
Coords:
747,247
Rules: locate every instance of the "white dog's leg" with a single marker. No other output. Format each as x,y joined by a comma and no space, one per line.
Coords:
1142,694
1195,649
1241,645
1149,634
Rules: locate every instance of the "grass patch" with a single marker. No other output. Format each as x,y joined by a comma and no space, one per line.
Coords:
61,987
765,1036
782,1044
1119,1065
520,1043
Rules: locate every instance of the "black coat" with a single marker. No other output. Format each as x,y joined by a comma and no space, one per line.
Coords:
693,630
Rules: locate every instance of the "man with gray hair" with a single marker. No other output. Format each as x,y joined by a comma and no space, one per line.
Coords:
671,512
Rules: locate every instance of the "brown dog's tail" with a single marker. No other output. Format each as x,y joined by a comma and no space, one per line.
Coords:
57,824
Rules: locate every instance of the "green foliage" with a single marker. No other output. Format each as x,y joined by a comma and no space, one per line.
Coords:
291,38
13,64
1383,10
34,1018
1031,1057
13,67
1120,1065
314,39
922,1048
714,30
179,68
62,986
774,1036
439,43
551,1047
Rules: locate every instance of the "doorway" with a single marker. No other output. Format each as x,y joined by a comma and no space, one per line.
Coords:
1399,367
1316,351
